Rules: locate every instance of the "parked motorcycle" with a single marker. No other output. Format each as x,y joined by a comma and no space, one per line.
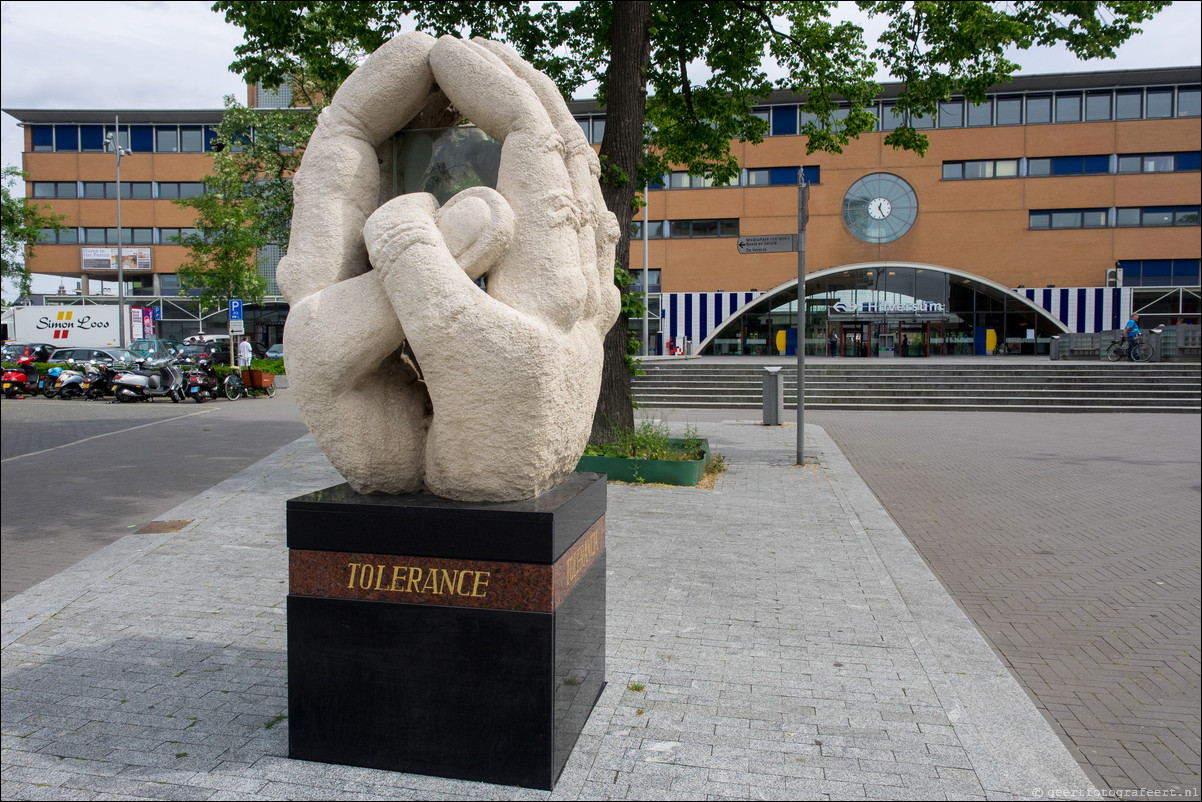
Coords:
22,379
70,382
48,384
202,381
99,381
152,381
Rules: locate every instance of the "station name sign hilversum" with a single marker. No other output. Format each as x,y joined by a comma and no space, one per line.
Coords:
768,243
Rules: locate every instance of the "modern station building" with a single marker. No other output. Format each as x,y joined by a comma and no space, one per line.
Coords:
1062,204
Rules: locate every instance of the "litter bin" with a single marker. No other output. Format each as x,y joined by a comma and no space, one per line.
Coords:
774,397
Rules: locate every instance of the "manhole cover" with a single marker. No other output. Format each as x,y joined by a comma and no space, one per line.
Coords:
159,527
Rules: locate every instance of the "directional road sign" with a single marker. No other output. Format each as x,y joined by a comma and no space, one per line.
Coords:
768,243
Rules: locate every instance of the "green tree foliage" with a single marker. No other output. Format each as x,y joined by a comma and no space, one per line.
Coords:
247,201
679,79
22,224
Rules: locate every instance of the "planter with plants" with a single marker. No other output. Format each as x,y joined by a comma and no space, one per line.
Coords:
648,455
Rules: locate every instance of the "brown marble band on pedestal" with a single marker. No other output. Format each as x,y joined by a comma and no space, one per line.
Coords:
488,585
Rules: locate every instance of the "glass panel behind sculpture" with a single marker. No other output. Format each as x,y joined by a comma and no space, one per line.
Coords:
444,161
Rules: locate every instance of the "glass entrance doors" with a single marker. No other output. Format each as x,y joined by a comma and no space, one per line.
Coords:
920,338
855,339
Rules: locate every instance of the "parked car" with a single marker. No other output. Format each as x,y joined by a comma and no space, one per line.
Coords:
155,349
15,350
275,352
218,351
105,356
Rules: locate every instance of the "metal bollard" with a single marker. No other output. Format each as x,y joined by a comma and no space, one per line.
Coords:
774,397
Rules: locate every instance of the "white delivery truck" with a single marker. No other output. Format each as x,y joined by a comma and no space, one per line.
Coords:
65,326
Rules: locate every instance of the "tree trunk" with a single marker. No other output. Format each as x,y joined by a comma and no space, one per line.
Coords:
621,156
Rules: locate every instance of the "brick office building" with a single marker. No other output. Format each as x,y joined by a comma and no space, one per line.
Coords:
1063,203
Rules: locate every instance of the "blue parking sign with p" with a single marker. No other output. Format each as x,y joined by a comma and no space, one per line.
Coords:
235,309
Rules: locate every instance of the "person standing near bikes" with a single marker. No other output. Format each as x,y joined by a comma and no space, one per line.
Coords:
246,353
1133,333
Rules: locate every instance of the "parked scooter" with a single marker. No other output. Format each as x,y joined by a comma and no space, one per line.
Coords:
202,381
48,384
70,382
99,381
22,379
163,379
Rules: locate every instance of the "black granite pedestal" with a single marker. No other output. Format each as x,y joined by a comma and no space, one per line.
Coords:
444,638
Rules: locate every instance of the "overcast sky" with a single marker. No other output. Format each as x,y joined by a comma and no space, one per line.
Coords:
175,55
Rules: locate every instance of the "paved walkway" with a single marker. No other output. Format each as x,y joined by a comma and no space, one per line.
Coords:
1072,541
791,642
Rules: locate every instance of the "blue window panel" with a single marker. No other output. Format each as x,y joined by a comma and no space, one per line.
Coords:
1097,164
210,137
1157,268
1046,303
43,137
66,137
91,137
1066,165
688,317
141,138
703,316
813,174
673,320
1185,271
1064,306
1189,161
784,120
782,176
1082,296
1099,299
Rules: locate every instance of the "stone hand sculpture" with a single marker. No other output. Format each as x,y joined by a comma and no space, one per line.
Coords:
408,374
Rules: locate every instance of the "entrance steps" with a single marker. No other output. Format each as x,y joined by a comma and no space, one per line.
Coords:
921,385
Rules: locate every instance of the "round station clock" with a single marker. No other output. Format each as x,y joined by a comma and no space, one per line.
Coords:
880,208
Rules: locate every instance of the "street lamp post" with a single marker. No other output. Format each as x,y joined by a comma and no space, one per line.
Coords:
646,297
114,142
803,218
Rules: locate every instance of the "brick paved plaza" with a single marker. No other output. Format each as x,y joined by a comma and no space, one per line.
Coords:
1072,541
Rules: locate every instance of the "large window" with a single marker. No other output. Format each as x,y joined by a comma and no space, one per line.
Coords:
1067,218
1068,108
751,177
181,189
1160,272
1039,109
1157,216
685,229
983,168
55,189
1070,165
1189,102
1125,217
593,128
1159,162
68,236
1097,106
982,114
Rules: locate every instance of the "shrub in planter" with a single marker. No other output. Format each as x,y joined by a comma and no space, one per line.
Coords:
649,455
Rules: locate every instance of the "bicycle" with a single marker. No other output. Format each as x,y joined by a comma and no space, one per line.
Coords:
235,387
1117,350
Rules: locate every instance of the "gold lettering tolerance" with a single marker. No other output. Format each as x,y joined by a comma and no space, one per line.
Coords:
413,579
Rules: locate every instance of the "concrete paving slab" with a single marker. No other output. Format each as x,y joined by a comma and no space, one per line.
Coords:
788,640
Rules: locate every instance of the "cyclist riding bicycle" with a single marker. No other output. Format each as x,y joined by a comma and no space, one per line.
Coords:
1133,334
